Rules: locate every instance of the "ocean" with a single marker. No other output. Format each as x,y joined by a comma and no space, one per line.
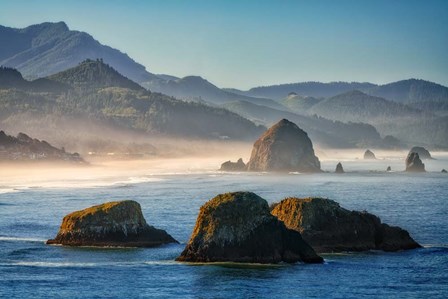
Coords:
30,213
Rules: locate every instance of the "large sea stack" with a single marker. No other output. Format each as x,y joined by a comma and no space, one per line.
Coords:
238,227
327,227
422,152
414,164
369,155
284,147
119,223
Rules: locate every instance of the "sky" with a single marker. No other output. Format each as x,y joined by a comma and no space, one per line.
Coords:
243,44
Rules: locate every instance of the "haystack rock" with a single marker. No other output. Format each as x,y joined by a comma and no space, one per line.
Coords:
414,164
233,166
339,168
119,223
422,152
327,227
284,148
369,155
238,227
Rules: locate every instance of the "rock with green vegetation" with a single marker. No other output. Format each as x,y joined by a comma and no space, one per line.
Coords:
233,166
282,148
339,168
328,227
422,152
369,155
414,164
112,224
238,227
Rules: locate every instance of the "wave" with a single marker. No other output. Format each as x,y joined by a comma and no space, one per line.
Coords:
21,239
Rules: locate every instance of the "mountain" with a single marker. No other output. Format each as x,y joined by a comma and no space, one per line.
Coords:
99,94
311,89
321,131
11,78
357,106
299,104
25,148
91,74
195,88
420,94
48,48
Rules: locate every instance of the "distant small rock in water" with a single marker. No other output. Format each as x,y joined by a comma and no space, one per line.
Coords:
422,152
327,227
233,166
444,171
339,168
238,227
389,168
369,155
414,164
119,223
284,147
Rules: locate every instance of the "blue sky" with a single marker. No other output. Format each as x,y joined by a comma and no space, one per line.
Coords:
250,43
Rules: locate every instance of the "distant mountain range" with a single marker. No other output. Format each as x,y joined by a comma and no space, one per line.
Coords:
48,48
95,91
110,90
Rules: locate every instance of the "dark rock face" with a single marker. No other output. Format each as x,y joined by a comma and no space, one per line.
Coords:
414,164
238,227
284,147
327,227
339,168
444,171
119,223
389,168
422,152
369,155
233,166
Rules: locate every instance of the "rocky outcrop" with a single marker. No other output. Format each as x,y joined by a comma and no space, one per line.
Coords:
389,168
233,166
369,155
444,171
119,223
327,227
422,152
414,164
283,148
238,227
25,148
339,168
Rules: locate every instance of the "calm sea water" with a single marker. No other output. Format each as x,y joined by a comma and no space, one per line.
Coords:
416,202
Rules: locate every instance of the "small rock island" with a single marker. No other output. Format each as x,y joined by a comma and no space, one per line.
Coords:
328,227
339,168
284,148
369,155
112,224
233,166
238,227
414,164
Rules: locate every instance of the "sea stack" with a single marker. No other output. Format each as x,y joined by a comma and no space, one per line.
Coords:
284,148
327,227
389,168
444,171
422,152
238,227
414,164
339,168
369,155
112,224
233,166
